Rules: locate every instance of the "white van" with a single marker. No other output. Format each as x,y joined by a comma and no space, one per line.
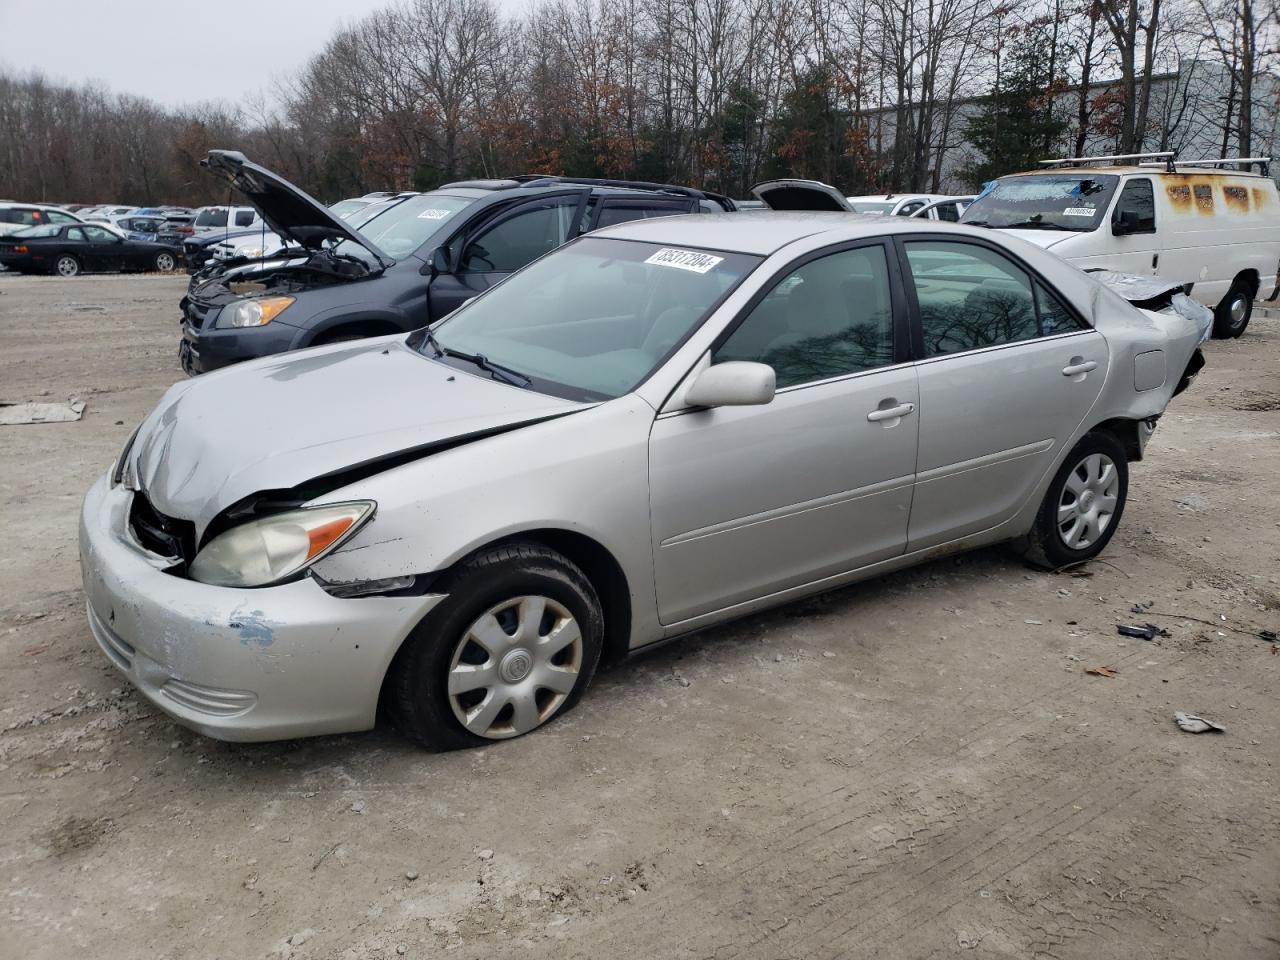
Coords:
1150,215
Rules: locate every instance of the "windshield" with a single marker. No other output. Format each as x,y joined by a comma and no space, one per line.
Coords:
345,208
215,217
862,206
1044,201
401,227
593,319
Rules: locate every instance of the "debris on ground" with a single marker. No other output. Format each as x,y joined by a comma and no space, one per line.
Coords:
1107,671
15,412
1193,724
1269,635
1148,631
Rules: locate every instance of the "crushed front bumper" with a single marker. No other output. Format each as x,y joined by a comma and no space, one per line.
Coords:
236,664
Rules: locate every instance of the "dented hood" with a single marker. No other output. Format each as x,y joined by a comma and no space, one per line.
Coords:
279,422
1046,239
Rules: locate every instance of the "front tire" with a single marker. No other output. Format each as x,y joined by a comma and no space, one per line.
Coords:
514,645
67,266
1234,312
1083,505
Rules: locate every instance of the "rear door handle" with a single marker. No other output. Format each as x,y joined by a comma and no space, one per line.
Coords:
891,413
1077,368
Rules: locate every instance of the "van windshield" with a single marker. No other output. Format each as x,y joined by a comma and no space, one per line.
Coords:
1050,201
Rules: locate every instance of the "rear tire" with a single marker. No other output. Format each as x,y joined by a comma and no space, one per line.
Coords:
1083,505
165,262
1232,315
474,669
67,266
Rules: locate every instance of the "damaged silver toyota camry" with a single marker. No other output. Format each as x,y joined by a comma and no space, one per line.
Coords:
657,427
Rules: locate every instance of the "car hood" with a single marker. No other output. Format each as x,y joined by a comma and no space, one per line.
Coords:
800,195
289,211
1041,238
279,422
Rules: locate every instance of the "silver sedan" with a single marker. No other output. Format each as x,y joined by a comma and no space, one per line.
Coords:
658,427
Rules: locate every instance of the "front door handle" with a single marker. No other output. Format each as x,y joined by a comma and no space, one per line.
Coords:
891,413
1078,367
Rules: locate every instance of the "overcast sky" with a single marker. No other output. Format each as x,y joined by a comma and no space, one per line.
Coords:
177,53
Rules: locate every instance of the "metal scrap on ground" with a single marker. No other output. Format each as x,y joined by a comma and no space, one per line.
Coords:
1193,724
15,412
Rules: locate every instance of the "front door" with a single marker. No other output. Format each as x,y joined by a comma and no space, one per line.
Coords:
747,501
1008,373
503,244
105,250
1137,248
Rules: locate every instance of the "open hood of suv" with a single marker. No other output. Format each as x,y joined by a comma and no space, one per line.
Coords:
289,212
800,195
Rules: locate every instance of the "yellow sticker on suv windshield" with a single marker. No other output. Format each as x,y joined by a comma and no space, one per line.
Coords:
685,260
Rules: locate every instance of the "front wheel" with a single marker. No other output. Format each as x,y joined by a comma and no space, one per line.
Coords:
164,262
1083,504
67,266
1234,312
513,645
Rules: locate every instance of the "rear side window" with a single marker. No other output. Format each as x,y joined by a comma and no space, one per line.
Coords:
99,235
949,212
244,218
970,297
22,215
57,216
75,233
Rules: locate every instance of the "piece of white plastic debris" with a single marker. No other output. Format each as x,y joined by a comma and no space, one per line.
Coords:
1193,724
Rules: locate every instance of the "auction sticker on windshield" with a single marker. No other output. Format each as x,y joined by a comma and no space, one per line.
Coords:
684,260
432,213
1078,212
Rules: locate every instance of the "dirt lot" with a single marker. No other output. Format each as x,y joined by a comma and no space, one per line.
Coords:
914,767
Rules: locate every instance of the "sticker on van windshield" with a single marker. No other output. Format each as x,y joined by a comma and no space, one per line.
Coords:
434,214
1079,212
685,260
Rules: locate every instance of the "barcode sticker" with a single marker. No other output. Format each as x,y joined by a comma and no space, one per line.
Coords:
685,260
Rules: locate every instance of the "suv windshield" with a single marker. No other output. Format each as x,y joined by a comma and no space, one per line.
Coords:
401,227
591,320
1049,201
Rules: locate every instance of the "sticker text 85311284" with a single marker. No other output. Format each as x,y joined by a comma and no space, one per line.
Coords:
685,260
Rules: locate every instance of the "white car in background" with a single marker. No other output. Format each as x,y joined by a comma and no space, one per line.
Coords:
19,216
894,204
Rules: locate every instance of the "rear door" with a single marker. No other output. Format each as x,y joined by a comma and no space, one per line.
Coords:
501,243
1008,372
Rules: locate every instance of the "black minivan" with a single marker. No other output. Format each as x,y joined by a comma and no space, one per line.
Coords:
401,264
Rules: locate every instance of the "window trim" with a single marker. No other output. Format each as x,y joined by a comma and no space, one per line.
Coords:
913,303
679,204
1155,214
897,302
489,218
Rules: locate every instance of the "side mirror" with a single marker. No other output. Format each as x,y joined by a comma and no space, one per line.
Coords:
735,383
1126,221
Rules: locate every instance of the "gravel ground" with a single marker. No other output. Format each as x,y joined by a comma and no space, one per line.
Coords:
914,767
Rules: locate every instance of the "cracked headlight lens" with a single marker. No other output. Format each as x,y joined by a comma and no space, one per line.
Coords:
272,549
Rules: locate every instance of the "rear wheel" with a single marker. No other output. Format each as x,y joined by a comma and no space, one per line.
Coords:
1233,313
513,645
67,266
1083,504
165,262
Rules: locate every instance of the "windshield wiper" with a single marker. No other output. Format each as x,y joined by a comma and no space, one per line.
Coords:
1035,225
976,223
505,374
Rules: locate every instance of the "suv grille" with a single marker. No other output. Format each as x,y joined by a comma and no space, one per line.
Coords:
163,535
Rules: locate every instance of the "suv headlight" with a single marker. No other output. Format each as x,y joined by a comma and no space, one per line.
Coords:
252,313
275,548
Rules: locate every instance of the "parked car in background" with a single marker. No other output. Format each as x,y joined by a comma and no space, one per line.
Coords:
459,524
414,259
69,250
792,194
157,228
949,209
211,220
1205,223
108,214
19,216
896,205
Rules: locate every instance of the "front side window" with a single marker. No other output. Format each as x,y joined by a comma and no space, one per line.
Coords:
521,237
99,235
1044,201
75,233
831,317
1136,208
972,297
595,318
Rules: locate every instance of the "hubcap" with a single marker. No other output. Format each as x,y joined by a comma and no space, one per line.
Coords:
164,262
1088,501
67,267
1238,308
514,667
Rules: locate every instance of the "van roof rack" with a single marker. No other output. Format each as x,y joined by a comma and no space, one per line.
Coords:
1165,156
1262,163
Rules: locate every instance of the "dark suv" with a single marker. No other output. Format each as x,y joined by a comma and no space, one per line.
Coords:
400,264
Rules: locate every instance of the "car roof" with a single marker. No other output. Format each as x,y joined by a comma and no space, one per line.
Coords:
763,232
1147,170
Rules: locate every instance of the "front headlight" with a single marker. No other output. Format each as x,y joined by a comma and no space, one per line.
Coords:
252,313
275,548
